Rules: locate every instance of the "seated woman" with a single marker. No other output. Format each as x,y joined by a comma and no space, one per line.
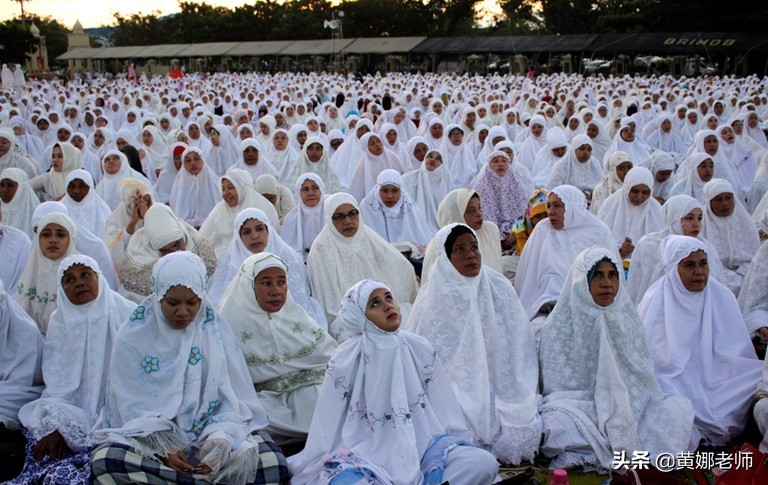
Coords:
578,167
163,233
55,240
485,341
385,374
314,158
237,193
52,184
600,394
84,205
555,149
463,206
17,200
428,185
277,194
307,219
699,342
701,169
373,160
253,160
254,234
181,406
21,379
616,168
285,348
127,218
662,165
167,176
346,251
75,362
390,211
195,191
681,215
281,155
551,249
116,169
631,213
753,297
729,227
503,197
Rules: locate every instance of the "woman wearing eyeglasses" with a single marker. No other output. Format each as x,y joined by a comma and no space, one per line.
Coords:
347,251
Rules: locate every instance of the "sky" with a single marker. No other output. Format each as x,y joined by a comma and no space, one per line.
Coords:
96,13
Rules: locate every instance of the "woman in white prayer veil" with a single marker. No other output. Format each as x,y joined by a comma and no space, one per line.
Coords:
75,362
552,248
116,169
391,212
237,193
17,200
700,169
664,138
21,352
196,137
195,191
682,215
252,159
124,221
55,240
707,141
314,159
284,347
223,152
600,394
84,205
485,341
662,166
417,148
435,133
428,186
307,219
625,141
374,160
579,167
345,159
729,227
384,375
742,160
182,400
345,251
65,159
458,157
464,206
699,342
556,148
281,155
277,194
12,156
152,150
616,168
163,233
632,212
600,140
753,297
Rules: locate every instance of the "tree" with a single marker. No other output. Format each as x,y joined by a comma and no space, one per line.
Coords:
54,32
16,41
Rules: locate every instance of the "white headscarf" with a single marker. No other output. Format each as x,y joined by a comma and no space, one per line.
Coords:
304,223
485,341
75,361
626,219
596,371
109,187
403,222
336,262
38,287
237,252
91,212
154,154
735,237
262,165
286,352
194,196
180,388
570,171
21,356
369,166
218,225
18,212
322,167
428,189
222,156
700,345
373,378
283,160
550,252
54,183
